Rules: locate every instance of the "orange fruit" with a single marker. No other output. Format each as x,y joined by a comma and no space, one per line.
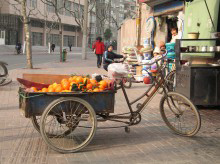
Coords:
51,89
101,87
44,90
63,80
65,85
89,86
79,79
34,89
50,86
54,85
93,82
74,78
59,88
96,90
71,79
103,83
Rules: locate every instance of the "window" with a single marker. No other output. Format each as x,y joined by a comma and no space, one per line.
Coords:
53,38
67,40
36,23
37,39
50,9
54,26
68,28
32,3
78,9
2,34
60,6
68,6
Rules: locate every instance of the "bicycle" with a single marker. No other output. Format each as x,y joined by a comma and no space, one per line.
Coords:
67,122
4,80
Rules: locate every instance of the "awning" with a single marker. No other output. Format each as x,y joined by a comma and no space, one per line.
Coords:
153,3
168,8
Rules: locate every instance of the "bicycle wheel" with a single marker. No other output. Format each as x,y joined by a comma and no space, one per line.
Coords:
68,124
128,83
180,114
36,122
3,73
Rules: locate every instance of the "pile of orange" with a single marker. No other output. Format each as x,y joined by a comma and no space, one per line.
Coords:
76,83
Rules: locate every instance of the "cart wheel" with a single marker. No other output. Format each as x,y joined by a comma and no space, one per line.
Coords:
68,124
36,122
180,114
127,129
128,83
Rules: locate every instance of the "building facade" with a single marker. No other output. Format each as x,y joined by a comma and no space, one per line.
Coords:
166,13
43,23
110,14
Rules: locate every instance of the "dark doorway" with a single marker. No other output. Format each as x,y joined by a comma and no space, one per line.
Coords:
171,23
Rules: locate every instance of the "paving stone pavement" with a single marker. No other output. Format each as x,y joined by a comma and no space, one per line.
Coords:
149,142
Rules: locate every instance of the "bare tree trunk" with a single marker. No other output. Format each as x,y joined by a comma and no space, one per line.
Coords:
61,39
27,35
85,29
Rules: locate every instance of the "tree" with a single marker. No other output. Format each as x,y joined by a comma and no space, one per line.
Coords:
103,13
80,15
58,7
22,9
108,34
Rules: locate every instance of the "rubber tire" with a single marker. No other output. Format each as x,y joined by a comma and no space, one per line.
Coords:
35,123
47,110
2,79
128,84
193,108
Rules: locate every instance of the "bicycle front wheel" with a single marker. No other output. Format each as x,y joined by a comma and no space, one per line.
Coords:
180,114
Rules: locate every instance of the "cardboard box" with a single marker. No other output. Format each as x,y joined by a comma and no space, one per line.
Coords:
139,70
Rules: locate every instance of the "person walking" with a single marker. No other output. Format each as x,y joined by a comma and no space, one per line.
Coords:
70,46
99,49
18,47
53,47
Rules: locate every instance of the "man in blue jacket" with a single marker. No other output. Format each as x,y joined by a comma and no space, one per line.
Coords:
109,57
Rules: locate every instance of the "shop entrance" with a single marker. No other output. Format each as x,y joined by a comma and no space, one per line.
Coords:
171,23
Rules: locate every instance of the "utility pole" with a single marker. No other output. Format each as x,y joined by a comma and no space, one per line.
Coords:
139,24
85,30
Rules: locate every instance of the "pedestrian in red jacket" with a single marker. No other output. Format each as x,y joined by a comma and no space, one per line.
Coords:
99,49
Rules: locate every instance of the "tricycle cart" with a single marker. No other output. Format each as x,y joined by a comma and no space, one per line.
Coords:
67,122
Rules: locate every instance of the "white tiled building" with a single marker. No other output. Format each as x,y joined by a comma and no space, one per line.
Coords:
42,22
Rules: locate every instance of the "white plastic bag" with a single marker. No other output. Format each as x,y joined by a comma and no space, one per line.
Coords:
117,71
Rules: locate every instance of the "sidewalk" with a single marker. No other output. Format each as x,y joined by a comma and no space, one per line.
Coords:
149,142
10,50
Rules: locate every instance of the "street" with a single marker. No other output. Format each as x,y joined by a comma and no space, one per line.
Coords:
148,142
